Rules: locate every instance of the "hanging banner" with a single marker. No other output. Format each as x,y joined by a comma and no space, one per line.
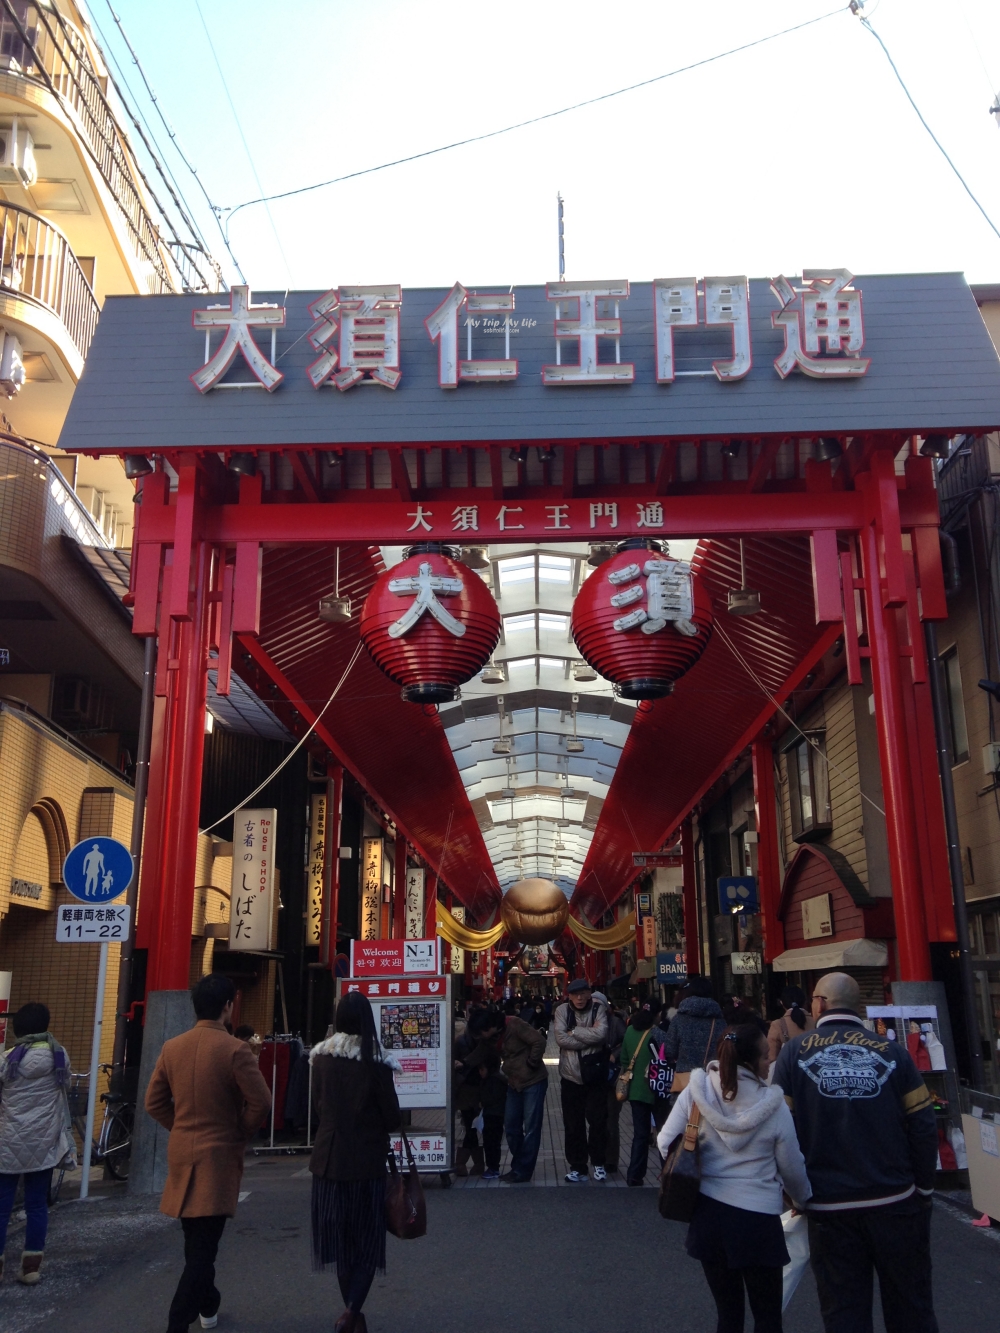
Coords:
415,880
315,866
648,937
5,979
252,915
371,888
457,954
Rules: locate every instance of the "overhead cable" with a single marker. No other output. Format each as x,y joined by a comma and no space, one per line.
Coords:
534,120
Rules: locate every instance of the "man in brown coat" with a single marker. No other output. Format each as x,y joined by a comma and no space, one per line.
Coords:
207,1091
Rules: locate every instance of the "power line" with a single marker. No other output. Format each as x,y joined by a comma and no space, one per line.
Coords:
534,120
909,97
172,134
239,126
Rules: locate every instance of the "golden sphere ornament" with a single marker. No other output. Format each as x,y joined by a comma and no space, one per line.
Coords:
534,911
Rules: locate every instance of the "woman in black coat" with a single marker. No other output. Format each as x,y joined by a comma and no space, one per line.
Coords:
356,1107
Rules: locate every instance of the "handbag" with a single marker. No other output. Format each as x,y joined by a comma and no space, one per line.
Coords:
405,1205
624,1079
595,1064
680,1179
661,1073
681,1081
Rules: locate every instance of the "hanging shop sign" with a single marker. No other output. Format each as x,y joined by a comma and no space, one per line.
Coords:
251,919
642,620
671,967
745,964
379,958
314,871
414,906
457,954
356,333
5,980
648,936
656,860
371,888
430,624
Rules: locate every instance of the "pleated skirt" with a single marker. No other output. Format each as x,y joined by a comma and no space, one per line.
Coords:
348,1224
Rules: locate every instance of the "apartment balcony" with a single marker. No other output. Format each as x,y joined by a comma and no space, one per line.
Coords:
45,61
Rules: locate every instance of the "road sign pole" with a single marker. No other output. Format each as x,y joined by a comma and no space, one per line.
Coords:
95,1060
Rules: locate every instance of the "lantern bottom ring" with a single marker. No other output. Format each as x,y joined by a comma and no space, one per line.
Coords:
644,687
430,692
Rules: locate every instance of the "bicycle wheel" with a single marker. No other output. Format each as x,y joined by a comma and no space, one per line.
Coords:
117,1152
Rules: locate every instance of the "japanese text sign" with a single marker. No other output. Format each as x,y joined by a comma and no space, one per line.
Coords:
314,870
378,958
92,925
399,986
252,898
371,888
415,886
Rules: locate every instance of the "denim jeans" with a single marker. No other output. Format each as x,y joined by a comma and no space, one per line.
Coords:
36,1205
523,1126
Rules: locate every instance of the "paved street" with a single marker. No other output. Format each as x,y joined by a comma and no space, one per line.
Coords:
584,1260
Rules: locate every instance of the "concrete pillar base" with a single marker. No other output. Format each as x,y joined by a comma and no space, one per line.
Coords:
168,1014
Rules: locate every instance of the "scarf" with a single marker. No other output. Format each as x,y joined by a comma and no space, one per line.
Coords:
60,1060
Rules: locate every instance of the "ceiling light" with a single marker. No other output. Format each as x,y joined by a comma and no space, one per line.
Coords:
743,601
519,455
512,823
335,610
828,448
575,746
564,823
507,793
731,449
492,674
570,794
583,673
244,465
136,466
935,446
502,746
546,453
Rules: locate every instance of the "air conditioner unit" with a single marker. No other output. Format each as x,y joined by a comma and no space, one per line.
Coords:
17,155
12,372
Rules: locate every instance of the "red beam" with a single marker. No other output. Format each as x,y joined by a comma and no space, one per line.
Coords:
765,461
303,475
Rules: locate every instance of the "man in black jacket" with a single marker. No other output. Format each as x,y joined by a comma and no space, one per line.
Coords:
866,1127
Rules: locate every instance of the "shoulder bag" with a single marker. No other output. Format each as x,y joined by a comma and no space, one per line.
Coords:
680,1179
682,1080
624,1079
661,1073
405,1205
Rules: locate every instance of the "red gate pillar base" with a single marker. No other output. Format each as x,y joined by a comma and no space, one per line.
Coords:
168,1013
768,860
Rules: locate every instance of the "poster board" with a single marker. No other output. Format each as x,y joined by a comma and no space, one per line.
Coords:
413,1021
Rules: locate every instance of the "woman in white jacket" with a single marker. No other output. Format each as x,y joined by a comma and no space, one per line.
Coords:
749,1154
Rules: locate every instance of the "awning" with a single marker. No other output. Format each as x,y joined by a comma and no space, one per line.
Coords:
825,957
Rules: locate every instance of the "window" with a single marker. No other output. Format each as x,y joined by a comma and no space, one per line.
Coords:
551,620
809,787
520,569
519,624
958,735
555,568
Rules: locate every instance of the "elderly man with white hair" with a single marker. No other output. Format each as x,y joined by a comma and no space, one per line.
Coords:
866,1127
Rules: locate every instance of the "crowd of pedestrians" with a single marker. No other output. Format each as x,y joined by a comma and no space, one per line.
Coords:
814,1113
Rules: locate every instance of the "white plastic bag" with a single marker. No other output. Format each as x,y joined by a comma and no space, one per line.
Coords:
478,1122
796,1230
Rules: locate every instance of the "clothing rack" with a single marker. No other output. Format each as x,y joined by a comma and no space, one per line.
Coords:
274,1040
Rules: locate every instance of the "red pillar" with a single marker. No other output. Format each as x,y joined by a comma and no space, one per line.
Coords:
399,890
331,874
898,774
768,857
692,939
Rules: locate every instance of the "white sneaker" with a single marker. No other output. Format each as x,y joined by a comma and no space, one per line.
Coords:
208,1321
600,1173
575,1178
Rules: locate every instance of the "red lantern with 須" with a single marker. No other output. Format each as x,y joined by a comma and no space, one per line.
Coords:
642,619
430,624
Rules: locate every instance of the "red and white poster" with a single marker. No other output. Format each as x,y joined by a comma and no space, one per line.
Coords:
379,958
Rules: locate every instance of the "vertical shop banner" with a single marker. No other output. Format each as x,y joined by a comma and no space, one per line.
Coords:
315,867
371,888
457,954
5,979
415,878
649,936
252,914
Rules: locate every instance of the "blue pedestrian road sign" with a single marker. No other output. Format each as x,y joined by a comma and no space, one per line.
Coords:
97,870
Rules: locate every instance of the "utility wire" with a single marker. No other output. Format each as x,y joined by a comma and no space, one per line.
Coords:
909,96
246,146
172,134
535,120
295,749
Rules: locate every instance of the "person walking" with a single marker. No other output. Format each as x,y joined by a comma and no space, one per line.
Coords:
635,1055
357,1106
35,1130
866,1124
616,1035
694,1031
581,1028
208,1092
475,1093
527,1084
749,1155
793,1021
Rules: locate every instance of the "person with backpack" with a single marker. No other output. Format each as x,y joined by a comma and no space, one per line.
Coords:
635,1055
35,1133
792,1023
581,1028
694,1031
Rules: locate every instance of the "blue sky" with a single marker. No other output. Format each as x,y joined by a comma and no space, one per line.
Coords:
800,153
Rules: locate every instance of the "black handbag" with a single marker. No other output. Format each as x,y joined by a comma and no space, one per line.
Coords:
680,1179
405,1205
595,1064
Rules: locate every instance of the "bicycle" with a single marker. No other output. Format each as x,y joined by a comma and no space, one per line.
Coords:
113,1146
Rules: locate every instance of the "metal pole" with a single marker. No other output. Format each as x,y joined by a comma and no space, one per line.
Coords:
135,847
562,240
95,1060
954,860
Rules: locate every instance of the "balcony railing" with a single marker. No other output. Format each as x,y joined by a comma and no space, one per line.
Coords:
36,262
38,43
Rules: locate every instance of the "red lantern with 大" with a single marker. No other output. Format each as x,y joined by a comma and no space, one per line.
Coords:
430,624
642,619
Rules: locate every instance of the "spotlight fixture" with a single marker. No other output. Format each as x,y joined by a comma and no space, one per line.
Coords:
731,449
136,466
743,601
935,446
335,610
828,448
519,455
546,454
475,557
244,465
573,743
583,673
492,674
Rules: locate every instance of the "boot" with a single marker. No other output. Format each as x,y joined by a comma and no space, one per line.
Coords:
478,1162
31,1263
461,1162
347,1323
359,1324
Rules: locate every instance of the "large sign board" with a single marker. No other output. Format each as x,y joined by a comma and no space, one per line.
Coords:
413,1022
251,914
382,958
